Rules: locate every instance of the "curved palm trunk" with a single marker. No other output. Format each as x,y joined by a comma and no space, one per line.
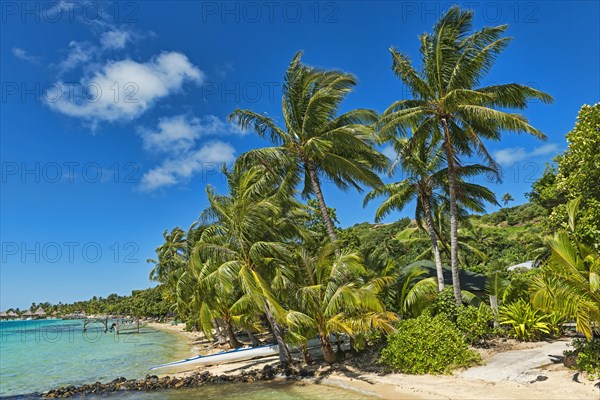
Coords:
434,247
284,353
327,349
453,216
306,355
218,333
314,180
253,340
231,335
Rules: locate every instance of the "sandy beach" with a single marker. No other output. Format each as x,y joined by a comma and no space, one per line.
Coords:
511,370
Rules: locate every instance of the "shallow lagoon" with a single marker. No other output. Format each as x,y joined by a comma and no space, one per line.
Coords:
36,356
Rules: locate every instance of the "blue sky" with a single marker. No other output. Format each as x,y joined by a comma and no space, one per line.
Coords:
113,115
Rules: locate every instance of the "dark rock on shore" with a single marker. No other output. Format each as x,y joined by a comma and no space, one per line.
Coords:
153,382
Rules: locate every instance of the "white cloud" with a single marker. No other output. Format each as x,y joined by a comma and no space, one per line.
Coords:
123,90
24,55
181,169
172,134
79,53
545,149
224,69
110,38
512,155
114,39
179,133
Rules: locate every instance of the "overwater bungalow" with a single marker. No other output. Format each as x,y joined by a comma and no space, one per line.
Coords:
39,313
3,315
27,315
13,315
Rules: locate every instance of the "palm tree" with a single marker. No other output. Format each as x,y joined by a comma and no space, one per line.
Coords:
496,287
316,141
570,282
335,298
171,255
449,105
412,290
427,181
425,177
209,301
246,239
412,235
506,198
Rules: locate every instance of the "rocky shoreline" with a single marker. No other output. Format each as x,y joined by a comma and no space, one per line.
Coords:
196,379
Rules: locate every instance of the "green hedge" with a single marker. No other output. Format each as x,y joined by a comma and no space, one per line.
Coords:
476,323
427,345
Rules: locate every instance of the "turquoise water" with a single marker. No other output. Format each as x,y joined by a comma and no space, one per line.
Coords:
246,391
36,356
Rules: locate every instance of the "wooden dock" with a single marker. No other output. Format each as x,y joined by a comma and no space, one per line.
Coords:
89,321
118,325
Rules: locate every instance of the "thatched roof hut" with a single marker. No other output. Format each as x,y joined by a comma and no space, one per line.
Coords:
3,315
12,314
27,314
39,313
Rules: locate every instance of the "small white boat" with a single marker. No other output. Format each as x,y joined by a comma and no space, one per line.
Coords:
240,354
128,326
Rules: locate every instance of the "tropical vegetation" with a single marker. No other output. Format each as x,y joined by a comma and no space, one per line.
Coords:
267,256
427,345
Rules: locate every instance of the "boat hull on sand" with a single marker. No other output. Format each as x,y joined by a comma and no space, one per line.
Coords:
225,356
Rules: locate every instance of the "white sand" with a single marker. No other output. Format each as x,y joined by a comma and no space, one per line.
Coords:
508,374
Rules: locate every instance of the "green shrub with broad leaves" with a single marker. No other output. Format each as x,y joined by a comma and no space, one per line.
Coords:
524,322
587,354
427,345
445,304
476,323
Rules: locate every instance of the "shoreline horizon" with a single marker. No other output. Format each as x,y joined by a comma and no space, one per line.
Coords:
347,377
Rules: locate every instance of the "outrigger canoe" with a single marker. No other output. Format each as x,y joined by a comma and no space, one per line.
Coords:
240,354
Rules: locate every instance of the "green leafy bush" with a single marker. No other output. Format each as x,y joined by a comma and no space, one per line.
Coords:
427,345
525,322
588,356
476,323
367,339
555,321
445,304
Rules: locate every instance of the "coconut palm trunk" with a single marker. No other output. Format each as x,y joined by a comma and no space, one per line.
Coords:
327,349
253,340
284,353
455,59
231,336
453,215
316,185
306,355
434,246
218,333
